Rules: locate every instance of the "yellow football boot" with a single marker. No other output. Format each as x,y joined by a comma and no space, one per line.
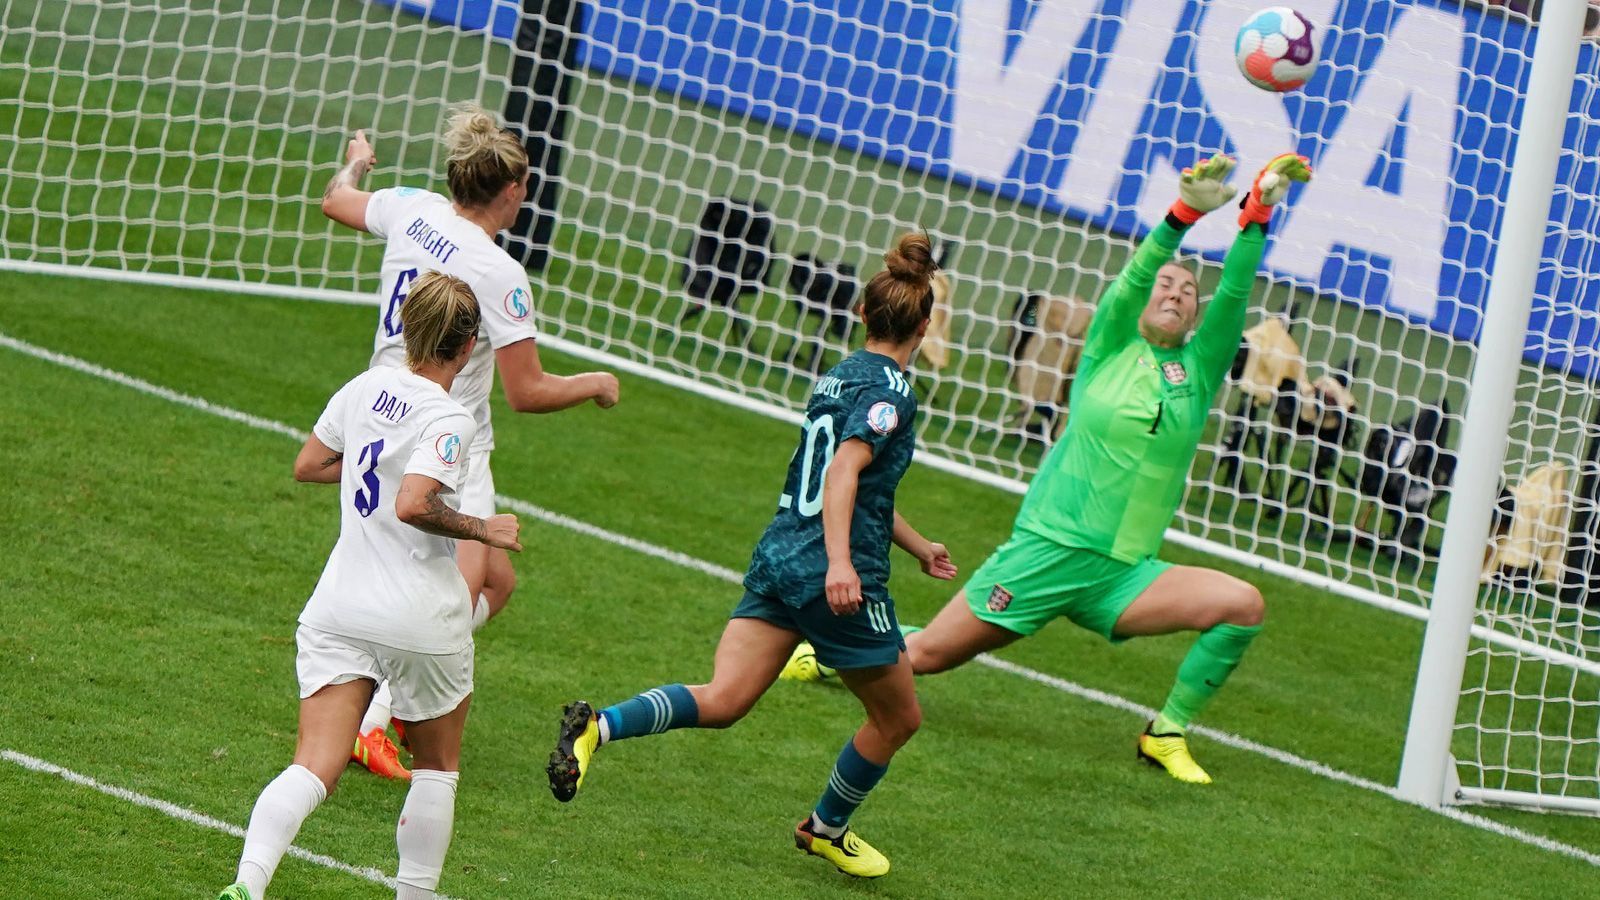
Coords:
848,852
1171,752
575,746
803,665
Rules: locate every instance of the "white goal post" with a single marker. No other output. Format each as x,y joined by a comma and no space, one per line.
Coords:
716,175
1428,772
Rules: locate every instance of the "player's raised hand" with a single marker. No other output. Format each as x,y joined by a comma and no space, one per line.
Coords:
843,588
609,390
502,530
1203,187
937,563
360,150
1272,185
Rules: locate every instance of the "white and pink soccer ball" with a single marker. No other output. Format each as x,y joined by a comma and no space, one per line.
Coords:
1277,49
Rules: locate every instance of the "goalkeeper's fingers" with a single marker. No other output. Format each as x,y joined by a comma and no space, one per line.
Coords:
1221,166
1292,166
1214,169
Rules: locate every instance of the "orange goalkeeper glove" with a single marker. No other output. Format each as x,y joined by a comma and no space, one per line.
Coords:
1271,186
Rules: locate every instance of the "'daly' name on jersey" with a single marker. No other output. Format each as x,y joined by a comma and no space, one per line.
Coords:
867,397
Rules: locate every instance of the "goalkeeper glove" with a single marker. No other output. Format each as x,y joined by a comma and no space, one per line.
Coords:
1272,185
1201,189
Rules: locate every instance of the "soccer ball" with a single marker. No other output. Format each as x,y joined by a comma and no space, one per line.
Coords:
1277,49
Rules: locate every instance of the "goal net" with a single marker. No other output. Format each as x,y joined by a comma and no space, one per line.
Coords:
723,174
1528,726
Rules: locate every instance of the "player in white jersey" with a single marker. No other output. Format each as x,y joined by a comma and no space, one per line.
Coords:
391,604
487,172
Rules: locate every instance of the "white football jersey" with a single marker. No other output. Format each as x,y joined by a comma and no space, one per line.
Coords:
386,581
423,232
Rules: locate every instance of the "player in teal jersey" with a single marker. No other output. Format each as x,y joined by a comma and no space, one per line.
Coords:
820,572
1085,540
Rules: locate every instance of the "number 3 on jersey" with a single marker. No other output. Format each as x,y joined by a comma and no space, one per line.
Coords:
367,500
391,314
818,429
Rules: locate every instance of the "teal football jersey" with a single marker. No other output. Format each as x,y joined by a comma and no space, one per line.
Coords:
868,397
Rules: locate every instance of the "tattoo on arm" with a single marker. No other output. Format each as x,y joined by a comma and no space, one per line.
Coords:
437,518
329,461
349,176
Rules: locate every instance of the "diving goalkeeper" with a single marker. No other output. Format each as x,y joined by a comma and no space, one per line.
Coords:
1085,539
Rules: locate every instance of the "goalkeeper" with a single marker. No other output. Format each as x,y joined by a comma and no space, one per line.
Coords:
1085,539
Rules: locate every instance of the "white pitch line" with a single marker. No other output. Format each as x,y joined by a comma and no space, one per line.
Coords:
185,814
724,573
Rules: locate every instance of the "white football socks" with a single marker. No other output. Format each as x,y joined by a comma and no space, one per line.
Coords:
378,711
480,612
279,811
423,835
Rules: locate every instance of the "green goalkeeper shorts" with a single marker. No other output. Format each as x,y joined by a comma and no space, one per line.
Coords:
1031,580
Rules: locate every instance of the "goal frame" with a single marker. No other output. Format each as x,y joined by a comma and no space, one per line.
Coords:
1428,769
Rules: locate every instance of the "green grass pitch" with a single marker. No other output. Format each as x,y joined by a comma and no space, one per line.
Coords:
157,556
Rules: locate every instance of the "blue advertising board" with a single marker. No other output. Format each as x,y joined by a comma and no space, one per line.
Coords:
1088,108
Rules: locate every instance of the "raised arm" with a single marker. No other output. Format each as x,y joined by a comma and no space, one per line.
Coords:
344,201
1201,189
1217,339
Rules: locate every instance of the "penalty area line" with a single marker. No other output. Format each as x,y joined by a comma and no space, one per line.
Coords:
185,814
723,573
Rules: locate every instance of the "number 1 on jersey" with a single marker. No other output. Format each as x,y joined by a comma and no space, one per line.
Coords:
820,428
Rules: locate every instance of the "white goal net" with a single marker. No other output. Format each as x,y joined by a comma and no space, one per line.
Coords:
719,173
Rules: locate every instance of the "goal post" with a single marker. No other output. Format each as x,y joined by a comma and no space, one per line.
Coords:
1425,770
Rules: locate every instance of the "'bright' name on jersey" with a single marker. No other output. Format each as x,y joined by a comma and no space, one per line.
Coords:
430,240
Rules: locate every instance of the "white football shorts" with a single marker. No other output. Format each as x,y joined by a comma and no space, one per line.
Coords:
425,685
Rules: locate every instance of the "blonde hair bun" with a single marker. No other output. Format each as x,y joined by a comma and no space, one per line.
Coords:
481,158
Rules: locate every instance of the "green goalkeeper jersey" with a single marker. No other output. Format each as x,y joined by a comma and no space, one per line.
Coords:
1114,480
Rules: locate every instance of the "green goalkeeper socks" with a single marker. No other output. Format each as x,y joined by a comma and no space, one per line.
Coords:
1209,663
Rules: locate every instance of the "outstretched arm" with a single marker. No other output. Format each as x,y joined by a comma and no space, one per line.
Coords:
344,201
1201,189
1217,338
529,388
1216,341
